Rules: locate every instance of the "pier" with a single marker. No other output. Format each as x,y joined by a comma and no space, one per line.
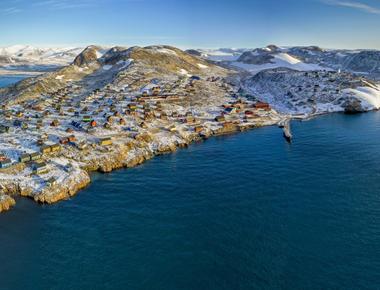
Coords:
286,130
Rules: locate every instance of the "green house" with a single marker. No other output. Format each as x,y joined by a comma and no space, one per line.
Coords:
24,158
39,168
35,156
87,119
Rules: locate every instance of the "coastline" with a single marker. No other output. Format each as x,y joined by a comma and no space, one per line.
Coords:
221,180
99,114
75,127
125,152
7,72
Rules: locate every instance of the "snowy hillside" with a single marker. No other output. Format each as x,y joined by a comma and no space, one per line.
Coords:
278,60
308,58
222,54
365,62
29,55
296,92
293,80
96,66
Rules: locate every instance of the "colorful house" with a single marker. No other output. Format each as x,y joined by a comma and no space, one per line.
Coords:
45,149
55,147
35,156
220,119
39,168
24,157
87,119
105,141
5,163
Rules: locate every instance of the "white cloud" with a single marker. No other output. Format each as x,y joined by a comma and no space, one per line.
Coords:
355,5
63,4
10,10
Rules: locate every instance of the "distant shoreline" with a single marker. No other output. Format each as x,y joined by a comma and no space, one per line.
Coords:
5,72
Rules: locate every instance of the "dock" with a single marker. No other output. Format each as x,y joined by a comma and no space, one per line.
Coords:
286,131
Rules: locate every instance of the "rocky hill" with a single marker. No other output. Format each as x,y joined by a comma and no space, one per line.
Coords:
96,67
294,92
365,62
110,109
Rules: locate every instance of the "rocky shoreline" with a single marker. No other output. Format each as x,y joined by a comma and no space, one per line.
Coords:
6,202
119,108
123,153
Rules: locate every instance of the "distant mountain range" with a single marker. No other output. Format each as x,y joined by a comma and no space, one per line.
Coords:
28,55
304,80
366,62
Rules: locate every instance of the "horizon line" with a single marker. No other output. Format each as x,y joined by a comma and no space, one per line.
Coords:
182,47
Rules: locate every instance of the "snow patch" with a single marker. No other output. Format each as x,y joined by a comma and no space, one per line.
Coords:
166,51
98,54
107,67
222,55
124,63
280,60
369,96
184,72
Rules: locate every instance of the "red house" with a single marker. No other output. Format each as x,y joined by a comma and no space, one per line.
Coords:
262,105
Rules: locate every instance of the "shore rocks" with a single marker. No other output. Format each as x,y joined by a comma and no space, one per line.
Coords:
6,202
123,153
64,190
353,106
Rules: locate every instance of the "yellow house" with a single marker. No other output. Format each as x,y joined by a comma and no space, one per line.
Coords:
45,149
105,141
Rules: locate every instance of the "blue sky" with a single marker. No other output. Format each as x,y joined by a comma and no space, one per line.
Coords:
195,23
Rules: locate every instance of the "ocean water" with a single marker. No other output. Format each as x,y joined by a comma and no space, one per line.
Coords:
245,211
10,79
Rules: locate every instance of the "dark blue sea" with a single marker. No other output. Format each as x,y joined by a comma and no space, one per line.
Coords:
245,211
10,79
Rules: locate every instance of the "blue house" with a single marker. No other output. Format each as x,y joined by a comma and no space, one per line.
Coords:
4,163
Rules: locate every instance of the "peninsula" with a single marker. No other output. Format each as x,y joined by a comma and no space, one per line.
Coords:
109,108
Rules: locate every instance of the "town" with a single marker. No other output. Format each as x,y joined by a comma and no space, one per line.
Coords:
313,92
50,144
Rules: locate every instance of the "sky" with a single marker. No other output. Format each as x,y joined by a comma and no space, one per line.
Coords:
191,23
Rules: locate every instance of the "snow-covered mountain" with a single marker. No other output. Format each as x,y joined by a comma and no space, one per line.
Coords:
221,54
96,67
293,91
308,58
365,62
259,60
29,55
305,79
292,79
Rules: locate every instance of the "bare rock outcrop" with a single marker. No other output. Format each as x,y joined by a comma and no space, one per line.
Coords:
353,106
87,56
6,202
64,190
